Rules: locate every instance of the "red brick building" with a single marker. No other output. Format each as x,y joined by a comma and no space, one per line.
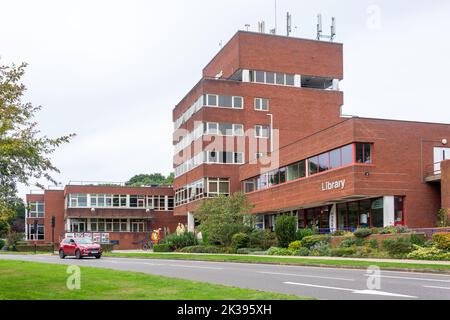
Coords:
106,213
266,119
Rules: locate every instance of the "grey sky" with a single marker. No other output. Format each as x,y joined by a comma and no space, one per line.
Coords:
111,71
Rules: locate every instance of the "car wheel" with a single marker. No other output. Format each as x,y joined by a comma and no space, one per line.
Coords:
78,254
61,254
98,256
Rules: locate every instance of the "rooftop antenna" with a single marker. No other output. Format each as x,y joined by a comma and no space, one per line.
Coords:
319,29
262,27
275,30
288,24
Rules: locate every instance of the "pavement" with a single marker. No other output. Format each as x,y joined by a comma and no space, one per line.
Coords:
409,261
317,282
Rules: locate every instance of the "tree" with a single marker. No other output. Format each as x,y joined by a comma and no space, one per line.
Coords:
141,180
285,229
24,155
222,217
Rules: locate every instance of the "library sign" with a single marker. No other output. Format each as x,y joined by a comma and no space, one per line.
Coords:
333,185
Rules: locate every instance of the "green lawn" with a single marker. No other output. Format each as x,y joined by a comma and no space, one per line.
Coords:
289,261
21,280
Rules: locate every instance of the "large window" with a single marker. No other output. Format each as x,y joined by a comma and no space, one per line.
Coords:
262,131
36,209
218,186
156,202
364,213
36,234
398,210
224,157
223,101
363,153
278,78
333,159
261,104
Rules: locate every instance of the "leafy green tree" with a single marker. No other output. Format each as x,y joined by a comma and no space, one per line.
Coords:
24,154
222,217
141,180
285,229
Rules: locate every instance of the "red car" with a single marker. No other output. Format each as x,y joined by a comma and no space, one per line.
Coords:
79,248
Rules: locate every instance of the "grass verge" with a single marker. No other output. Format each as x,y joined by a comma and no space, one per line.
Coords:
288,261
38,281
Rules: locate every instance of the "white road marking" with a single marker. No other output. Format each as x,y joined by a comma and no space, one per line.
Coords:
195,267
304,276
371,292
444,288
407,278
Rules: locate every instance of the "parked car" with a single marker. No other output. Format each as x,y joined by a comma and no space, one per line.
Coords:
79,247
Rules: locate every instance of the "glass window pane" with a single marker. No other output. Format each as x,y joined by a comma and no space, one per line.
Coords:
270,77
212,100
302,169
353,214
335,158
212,186
377,213
226,129
290,79
342,216
265,104
367,153
398,209
226,101
259,76
359,153
238,129
313,165
282,177
238,157
323,162
224,187
280,78
347,154
364,213
257,103
237,102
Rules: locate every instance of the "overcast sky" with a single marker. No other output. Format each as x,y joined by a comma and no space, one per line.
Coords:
112,71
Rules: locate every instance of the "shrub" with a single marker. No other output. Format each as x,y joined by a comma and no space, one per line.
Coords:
177,242
248,250
397,247
240,240
310,241
262,239
348,242
343,252
443,218
203,249
295,245
373,244
321,249
274,251
30,248
285,229
362,252
161,248
432,253
2,243
442,240
418,239
302,252
301,233
362,233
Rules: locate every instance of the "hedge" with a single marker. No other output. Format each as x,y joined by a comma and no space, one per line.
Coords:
442,240
161,248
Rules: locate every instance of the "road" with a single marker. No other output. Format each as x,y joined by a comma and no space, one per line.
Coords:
317,282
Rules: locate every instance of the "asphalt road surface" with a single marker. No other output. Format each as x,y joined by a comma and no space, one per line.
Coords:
317,282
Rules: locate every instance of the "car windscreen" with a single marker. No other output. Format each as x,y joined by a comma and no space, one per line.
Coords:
84,241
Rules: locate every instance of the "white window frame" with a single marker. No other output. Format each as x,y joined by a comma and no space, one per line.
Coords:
260,102
261,127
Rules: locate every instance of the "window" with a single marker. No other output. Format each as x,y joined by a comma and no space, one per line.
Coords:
138,225
78,200
323,162
36,209
313,165
292,172
224,157
363,153
218,186
36,234
398,210
224,101
137,201
274,178
238,129
213,128
289,79
259,76
335,159
261,104
377,213
226,129
280,78
261,131
347,155
270,77
249,186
